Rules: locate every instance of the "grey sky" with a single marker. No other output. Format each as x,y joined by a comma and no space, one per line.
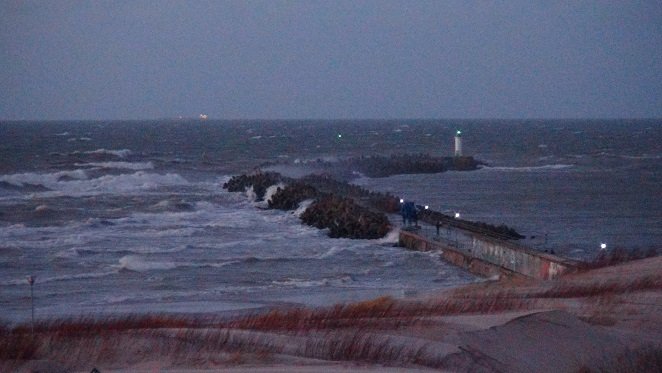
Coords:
330,59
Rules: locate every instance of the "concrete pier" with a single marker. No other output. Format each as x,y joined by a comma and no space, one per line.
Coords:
486,256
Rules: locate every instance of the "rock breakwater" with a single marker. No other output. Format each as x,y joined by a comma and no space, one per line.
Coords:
340,213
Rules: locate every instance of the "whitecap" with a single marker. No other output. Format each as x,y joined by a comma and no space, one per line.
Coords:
138,264
41,208
529,168
119,165
68,254
642,156
335,250
303,206
272,190
133,250
250,193
304,283
121,153
301,283
391,237
79,276
48,180
76,184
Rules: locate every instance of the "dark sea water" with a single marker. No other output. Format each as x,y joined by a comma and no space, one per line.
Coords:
130,216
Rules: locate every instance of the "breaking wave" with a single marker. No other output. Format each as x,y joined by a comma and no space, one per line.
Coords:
335,250
302,207
302,283
45,180
272,190
530,168
119,165
80,276
391,237
138,264
76,182
642,156
122,153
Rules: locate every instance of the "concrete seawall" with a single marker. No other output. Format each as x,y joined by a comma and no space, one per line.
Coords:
488,257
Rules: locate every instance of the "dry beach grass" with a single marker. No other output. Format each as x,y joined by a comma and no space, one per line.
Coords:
590,320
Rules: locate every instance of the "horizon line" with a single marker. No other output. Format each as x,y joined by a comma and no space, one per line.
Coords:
211,119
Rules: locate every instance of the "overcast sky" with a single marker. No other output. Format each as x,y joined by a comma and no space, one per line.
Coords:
330,59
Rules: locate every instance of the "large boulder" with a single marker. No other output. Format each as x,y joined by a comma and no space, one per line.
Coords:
259,180
344,218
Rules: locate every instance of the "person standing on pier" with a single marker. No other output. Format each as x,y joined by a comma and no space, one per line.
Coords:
438,225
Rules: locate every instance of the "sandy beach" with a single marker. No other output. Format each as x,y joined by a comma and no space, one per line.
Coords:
605,319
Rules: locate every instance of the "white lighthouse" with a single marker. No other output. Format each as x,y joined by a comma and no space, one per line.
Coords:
458,143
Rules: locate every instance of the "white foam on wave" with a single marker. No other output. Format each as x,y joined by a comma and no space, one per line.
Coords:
47,179
74,252
140,264
303,283
119,165
78,276
333,251
391,237
302,207
121,153
547,167
68,253
250,194
272,190
642,156
77,183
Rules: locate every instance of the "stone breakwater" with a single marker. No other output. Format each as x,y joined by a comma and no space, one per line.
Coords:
342,215
359,213
399,164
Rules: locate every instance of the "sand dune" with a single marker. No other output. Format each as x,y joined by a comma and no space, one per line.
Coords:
604,319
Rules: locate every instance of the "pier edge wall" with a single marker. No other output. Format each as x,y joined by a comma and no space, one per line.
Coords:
489,257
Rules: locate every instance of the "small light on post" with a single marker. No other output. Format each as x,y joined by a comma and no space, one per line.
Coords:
603,246
427,207
402,200
457,215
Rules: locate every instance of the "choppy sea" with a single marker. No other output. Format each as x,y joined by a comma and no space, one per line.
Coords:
131,217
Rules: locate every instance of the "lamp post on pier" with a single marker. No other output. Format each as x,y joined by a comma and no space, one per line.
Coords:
457,216
31,280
